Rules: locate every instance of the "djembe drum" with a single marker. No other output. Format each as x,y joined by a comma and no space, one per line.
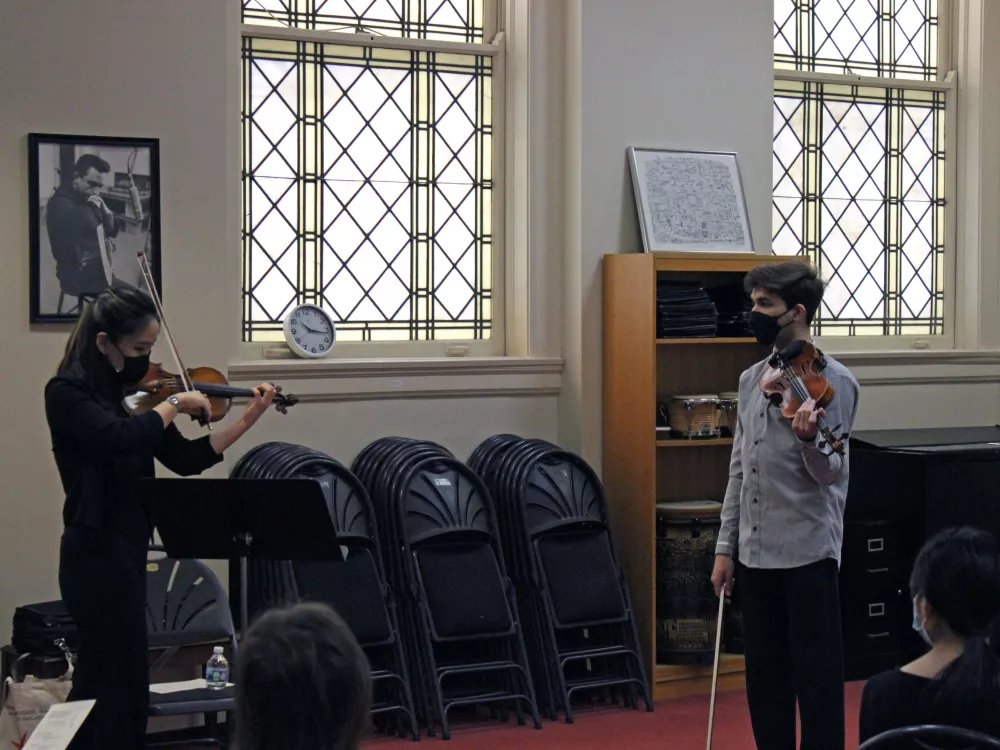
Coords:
686,605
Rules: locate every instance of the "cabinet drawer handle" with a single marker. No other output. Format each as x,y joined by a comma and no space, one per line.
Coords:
873,636
876,610
878,570
876,545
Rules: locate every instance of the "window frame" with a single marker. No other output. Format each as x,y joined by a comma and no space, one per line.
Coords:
945,82
494,18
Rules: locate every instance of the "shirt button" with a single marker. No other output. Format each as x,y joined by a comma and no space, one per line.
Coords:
755,499
762,414
754,528
754,471
755,442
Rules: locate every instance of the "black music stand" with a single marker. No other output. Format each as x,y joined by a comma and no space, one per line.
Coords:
222,519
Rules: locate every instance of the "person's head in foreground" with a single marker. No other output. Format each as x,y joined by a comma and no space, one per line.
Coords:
955,587
302,682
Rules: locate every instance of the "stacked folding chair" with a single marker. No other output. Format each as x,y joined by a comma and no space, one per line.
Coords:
445,562
356,588
572,593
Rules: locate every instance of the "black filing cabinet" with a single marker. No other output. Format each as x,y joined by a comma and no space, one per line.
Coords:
905,485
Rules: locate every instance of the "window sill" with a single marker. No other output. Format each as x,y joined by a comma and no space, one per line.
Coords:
342,379
922,367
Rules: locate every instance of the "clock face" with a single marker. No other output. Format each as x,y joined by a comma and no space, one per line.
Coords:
310,331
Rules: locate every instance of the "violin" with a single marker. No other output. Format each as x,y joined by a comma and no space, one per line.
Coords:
158,384
793,376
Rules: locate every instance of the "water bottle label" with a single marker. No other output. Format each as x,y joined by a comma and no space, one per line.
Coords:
216,675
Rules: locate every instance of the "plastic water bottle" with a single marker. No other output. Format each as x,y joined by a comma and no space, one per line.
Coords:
217,670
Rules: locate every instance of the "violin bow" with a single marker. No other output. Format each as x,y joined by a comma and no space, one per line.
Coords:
147,276
715,668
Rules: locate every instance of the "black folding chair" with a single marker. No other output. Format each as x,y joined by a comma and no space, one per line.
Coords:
187,606
458,580
570,584
931,737
461,633
356,588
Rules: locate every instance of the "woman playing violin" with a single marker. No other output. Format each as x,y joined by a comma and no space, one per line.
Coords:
102,452
783,511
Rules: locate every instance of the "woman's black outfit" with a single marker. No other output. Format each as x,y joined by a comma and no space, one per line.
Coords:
897,699
102,454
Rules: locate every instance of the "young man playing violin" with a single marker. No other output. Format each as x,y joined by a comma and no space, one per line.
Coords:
782,517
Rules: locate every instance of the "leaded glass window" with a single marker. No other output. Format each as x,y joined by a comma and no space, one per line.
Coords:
369,170
860,185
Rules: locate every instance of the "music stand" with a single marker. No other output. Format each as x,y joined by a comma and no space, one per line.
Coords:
221,519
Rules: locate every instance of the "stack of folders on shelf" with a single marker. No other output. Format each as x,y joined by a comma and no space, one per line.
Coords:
734,305
684,310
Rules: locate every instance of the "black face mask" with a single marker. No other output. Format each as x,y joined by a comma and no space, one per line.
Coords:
134,369
765,327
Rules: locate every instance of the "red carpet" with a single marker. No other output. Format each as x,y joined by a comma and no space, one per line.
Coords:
678,725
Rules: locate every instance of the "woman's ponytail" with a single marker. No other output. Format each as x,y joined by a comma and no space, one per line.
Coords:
77,341
118,312
969,687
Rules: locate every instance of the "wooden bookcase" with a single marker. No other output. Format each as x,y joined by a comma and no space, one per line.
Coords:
641,371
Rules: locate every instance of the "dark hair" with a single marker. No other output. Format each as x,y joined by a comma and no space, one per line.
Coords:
91,161
302,682
958,573
117,312
795,281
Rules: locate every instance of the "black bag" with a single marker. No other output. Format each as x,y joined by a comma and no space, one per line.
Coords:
37,627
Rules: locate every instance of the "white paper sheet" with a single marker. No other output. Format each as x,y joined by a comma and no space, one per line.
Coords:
165,688
59,725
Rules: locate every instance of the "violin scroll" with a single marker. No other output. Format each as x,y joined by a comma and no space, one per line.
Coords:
282,402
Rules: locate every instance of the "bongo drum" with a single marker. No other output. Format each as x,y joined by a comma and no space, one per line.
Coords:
686,605
728,411
695,416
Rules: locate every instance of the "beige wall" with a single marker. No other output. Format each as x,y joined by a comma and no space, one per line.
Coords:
661,74
157,68
699,75
635,72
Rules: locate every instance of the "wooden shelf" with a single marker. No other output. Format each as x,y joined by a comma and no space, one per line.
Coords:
642,468
728,664
671,682
682,443
731,340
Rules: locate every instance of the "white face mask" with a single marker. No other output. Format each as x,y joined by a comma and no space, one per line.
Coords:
919,626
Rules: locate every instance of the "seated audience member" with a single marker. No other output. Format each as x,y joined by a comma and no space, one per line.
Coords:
302,683
955,587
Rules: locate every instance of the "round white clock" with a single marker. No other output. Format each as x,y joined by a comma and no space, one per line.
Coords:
310,331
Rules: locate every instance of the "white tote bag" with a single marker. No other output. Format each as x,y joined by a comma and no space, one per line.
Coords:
25,705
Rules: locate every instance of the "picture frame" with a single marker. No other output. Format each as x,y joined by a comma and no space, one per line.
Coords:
690,201
86,230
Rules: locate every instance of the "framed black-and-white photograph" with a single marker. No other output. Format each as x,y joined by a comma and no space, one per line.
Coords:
690,201
95,205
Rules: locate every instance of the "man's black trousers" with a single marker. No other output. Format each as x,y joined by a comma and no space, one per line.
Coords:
794,651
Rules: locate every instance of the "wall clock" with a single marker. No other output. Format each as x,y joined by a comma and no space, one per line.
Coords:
310,331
